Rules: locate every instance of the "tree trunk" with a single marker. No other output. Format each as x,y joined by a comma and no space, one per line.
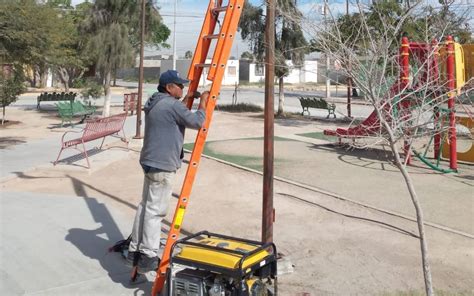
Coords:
3,117
419,212
64,76
281,96
108,95
43,72
115,78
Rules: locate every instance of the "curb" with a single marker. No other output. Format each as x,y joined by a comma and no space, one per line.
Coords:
343,198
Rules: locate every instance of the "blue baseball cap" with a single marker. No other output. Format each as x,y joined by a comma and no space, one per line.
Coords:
171,76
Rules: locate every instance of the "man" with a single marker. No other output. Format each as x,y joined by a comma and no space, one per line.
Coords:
165,120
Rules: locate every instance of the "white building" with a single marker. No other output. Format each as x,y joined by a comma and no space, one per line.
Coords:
252,72
231,74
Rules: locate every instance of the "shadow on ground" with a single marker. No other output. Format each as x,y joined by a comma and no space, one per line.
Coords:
6,142
94,243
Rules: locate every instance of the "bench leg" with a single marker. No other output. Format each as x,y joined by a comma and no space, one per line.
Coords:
85,153
82,120
124,137
103,139
57,159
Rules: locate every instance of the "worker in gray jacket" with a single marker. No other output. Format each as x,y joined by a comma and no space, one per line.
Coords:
166,118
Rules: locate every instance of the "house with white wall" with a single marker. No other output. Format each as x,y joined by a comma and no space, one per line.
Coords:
231,73
252,72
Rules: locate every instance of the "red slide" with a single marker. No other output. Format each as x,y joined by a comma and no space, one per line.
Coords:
370,126
367,127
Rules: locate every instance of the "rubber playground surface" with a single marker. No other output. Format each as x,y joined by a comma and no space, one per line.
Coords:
365,176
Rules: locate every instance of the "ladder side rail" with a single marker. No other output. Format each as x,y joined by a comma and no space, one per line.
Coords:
223,37
202,49
224,53
183,200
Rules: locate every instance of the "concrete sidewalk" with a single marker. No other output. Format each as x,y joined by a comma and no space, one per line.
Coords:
57,245
57,222
334,247
42,153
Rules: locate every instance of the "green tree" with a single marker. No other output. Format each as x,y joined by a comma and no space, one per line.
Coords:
188,54
71,58
431,23
107,24
247,55
43,36
113,28
11,85
446,21
29,33
290,43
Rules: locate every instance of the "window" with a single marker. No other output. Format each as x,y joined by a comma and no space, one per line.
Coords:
259,69
232,70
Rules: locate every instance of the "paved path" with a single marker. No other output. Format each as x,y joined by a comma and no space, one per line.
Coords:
19,158
54,244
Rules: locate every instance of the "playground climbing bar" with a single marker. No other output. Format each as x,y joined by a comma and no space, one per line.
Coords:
451,94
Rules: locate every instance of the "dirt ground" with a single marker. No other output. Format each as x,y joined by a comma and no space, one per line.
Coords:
334,247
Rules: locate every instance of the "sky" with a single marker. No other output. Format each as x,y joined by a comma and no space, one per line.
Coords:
190,14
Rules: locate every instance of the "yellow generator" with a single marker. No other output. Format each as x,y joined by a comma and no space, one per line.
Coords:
209,264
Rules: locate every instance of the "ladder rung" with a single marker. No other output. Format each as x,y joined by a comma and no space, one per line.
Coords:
202,65
213,36
219,9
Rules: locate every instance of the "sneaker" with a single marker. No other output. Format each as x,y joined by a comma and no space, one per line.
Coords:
131,256
146,264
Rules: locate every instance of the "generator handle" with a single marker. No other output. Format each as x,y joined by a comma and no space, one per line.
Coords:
264,246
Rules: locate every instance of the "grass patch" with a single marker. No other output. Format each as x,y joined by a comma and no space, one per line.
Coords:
252,162
318,135
240,107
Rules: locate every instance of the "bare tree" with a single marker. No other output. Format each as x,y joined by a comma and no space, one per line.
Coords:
407,105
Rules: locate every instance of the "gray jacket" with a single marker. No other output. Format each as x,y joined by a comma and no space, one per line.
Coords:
165,121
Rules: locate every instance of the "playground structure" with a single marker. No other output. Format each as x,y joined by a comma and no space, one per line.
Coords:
442,69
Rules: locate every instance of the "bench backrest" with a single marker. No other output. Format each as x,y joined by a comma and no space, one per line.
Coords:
65,108
102,127
130,102
78,107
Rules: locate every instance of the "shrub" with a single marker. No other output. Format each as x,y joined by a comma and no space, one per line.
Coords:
11,85
240,107
91,91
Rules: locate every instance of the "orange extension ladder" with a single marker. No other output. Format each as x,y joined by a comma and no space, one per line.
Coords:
225,37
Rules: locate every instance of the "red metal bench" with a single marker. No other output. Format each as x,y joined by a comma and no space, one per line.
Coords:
130,102
95,129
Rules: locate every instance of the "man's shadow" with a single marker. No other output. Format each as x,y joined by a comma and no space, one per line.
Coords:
94,243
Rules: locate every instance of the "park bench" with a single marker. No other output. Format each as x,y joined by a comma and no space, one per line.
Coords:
130,102
68,110
94,129
318,103
54,97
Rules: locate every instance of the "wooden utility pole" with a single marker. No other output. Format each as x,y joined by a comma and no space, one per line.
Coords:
268,213
140,77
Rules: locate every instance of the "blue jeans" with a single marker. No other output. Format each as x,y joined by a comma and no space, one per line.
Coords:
146,232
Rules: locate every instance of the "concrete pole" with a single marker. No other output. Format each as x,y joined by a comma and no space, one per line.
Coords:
349,80
140,78
328,81
174,35
268,213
